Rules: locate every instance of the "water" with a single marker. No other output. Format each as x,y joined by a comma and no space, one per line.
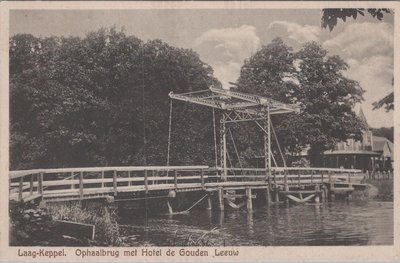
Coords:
336,223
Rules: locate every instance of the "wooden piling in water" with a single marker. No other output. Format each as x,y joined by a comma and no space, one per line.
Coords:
249,199
221,199
268,196
276,195
209,203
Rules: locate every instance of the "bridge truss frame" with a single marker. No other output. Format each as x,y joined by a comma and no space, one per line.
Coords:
239,107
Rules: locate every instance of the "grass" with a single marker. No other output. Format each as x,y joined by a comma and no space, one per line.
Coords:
107,230
384,188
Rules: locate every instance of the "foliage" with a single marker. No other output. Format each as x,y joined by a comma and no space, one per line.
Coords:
302,162
387,102
103,100
331,15
314,81
29,225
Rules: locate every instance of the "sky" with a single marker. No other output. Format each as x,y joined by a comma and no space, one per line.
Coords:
224,38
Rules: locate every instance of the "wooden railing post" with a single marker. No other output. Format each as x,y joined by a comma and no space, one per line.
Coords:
285,180
348,177
312,176
20,188
72,179
115,182
31,185
298,178
129,176
330,176
102,178
146,183
80,185
322,176
40,183
176,179
202,178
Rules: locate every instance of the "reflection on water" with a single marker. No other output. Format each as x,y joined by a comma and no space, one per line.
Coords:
336,223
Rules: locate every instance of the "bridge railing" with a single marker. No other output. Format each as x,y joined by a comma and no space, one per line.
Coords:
30,184
296,175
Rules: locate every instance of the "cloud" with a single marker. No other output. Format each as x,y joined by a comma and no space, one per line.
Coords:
298,32
226,48
375,75
368,49
359,40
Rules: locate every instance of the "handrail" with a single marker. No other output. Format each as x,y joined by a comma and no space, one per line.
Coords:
20,173
294,169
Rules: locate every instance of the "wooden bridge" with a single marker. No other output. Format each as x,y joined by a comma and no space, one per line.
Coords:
65,184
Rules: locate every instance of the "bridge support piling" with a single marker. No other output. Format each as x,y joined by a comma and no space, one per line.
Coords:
221,199
268,196
209,203
249,199
276,195
317,194
324,195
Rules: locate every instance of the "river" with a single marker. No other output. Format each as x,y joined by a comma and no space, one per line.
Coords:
330,223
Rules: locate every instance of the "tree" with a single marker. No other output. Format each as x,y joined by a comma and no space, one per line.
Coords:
314,81
103,100
331,15
387,101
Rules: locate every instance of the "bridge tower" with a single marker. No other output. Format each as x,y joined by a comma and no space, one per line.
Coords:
239,107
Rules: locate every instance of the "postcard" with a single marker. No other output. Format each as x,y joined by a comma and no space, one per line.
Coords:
199,131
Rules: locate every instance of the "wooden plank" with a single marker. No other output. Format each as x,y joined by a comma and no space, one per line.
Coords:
231,204
74,229
19,173
300,191
296,169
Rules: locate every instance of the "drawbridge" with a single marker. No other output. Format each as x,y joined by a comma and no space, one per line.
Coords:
291,183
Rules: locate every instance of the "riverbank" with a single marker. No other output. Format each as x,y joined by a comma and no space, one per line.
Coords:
31,224
383,189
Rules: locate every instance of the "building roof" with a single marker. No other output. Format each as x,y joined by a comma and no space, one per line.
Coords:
379,143
363,119
351,152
